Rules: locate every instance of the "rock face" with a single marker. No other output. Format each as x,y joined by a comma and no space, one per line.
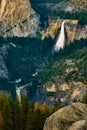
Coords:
17,18
72,30
73,117
61,91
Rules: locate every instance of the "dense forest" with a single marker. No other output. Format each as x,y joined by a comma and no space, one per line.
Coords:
15,115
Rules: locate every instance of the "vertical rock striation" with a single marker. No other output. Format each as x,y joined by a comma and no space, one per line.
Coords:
17,18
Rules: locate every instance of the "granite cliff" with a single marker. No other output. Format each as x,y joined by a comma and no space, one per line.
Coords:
73,31
17,18
61,91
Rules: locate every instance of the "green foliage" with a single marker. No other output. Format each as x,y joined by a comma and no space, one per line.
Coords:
18,115
28,54
23,115
8,112
35,55
2,101
80,16
25,108
76,52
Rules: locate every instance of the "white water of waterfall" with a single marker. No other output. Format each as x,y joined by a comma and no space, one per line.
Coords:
18,89
60,42
18,92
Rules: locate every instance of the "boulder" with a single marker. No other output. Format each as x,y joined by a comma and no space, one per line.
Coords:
72,117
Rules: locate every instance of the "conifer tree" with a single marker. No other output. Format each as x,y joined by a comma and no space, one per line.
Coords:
8,113
18,115
29,119
25,109
2,101
34,120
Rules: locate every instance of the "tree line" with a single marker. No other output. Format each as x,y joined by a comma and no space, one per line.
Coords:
80,16
15,115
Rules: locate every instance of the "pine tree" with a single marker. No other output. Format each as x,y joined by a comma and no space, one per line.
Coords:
25,109
8,113
29,119
34,120
18,115
2,101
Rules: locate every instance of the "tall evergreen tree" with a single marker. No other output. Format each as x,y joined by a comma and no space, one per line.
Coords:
8,113
18,115
25,109
2,101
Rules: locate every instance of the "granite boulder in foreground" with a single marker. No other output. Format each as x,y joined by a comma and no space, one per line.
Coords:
72,117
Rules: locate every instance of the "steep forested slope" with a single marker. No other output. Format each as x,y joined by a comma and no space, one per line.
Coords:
34,61
66,9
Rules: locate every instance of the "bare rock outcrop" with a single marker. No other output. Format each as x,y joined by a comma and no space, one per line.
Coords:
17,18
61,91
72,117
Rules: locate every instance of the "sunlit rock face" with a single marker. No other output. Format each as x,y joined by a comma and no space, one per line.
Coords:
17,18
60,41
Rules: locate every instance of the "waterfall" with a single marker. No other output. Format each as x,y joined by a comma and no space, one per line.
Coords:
18,92
60,42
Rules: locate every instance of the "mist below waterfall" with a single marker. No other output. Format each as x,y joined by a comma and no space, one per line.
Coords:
60,42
